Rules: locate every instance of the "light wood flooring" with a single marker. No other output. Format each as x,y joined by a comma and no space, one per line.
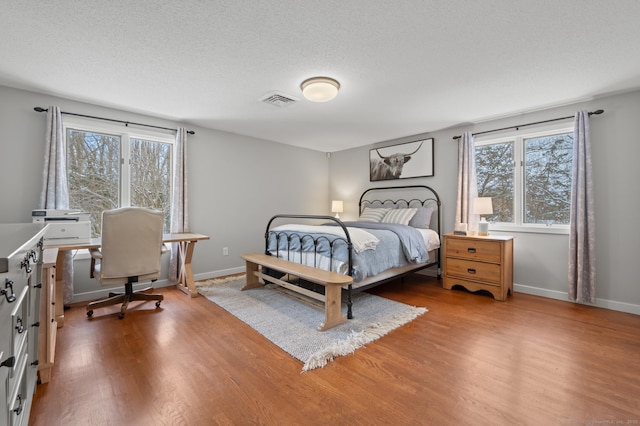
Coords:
470,361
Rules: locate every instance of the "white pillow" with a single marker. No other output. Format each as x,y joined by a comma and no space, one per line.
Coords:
399,216
370,214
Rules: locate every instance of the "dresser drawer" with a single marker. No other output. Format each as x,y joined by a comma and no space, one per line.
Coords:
20,320
467,248
474,271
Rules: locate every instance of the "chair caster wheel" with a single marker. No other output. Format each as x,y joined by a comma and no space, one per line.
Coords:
157,304
89,314
121,315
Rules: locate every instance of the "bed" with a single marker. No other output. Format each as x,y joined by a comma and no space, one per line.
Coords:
397,232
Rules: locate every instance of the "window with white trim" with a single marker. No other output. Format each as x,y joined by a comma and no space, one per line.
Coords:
528,177
110,167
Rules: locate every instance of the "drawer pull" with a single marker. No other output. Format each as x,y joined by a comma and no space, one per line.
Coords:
18,410
19,325
26,265
471,271
471,249
8,285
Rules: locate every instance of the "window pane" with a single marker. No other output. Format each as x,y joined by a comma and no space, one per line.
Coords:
151,176
494,170
93,170
548,179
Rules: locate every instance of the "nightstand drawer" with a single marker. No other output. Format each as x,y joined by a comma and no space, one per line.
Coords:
474,249
474,271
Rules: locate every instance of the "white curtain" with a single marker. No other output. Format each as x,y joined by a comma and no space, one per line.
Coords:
582,236
179,205
55,192
467,182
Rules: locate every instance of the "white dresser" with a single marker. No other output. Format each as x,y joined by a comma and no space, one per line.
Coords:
20,290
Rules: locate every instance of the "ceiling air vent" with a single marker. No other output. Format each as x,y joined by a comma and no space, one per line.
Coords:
277,99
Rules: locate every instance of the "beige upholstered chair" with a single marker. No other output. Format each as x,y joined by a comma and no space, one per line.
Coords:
130,252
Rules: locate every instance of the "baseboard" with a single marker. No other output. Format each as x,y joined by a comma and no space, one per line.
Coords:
219,273
559,295
102,292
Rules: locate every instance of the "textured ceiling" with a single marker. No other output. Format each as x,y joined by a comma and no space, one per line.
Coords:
406,67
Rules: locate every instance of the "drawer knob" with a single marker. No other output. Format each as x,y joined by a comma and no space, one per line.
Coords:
471,249
471,271
8,285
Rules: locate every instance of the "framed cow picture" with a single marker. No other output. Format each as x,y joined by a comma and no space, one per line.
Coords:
402,161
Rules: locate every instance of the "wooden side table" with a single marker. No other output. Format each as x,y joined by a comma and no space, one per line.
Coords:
479,263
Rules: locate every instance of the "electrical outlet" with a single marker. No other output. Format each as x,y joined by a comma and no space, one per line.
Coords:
225,251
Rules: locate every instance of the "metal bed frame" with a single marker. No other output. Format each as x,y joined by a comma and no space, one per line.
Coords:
432,199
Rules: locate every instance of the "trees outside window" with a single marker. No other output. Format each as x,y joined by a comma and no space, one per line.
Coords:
528,178
109,170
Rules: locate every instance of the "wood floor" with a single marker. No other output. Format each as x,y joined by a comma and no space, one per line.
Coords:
469,360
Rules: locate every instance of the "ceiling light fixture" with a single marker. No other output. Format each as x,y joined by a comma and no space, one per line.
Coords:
320,89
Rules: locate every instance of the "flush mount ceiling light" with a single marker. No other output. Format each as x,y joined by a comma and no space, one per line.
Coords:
320,89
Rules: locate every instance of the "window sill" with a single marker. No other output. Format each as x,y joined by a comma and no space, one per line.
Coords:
533,229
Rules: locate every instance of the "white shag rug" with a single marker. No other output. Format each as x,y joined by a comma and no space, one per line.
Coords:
291,323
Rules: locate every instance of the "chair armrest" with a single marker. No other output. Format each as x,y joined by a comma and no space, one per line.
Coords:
95,254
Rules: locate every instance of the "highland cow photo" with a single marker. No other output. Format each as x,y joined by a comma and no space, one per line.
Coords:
406,160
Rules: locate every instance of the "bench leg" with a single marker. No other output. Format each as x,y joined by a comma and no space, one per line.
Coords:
332,308
252,278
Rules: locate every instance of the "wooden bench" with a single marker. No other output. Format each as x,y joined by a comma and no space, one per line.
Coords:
332,282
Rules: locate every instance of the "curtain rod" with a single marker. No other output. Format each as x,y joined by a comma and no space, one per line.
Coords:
596,112
126,123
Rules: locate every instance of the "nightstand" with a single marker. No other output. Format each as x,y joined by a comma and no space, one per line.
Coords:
479,263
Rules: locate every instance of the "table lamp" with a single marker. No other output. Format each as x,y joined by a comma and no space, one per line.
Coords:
483,206
337,208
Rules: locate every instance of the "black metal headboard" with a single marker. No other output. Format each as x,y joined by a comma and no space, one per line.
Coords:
416,196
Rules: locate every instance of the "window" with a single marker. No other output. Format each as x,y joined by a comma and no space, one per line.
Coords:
108,168
528,177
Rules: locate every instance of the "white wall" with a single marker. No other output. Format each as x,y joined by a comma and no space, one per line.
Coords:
236,183
540,265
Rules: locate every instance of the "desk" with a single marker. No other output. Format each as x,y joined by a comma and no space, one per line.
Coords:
186,242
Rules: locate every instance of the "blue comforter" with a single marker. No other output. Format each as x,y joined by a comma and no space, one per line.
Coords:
399,245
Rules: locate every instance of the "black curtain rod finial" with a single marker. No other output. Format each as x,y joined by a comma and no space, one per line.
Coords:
40,109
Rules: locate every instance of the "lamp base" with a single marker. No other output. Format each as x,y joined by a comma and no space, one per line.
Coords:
483,228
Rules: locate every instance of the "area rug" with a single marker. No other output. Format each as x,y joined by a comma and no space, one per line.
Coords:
291,323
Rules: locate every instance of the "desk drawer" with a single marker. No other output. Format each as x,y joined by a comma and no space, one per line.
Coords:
474,271
467,248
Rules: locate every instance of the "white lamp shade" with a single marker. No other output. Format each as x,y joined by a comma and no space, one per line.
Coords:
482,206
337,206
320,89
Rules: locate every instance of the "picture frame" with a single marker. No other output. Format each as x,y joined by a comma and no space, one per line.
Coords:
402,161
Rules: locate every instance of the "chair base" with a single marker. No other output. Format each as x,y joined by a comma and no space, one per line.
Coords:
128,296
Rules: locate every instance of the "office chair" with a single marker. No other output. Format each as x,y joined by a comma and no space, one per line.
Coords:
130,252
